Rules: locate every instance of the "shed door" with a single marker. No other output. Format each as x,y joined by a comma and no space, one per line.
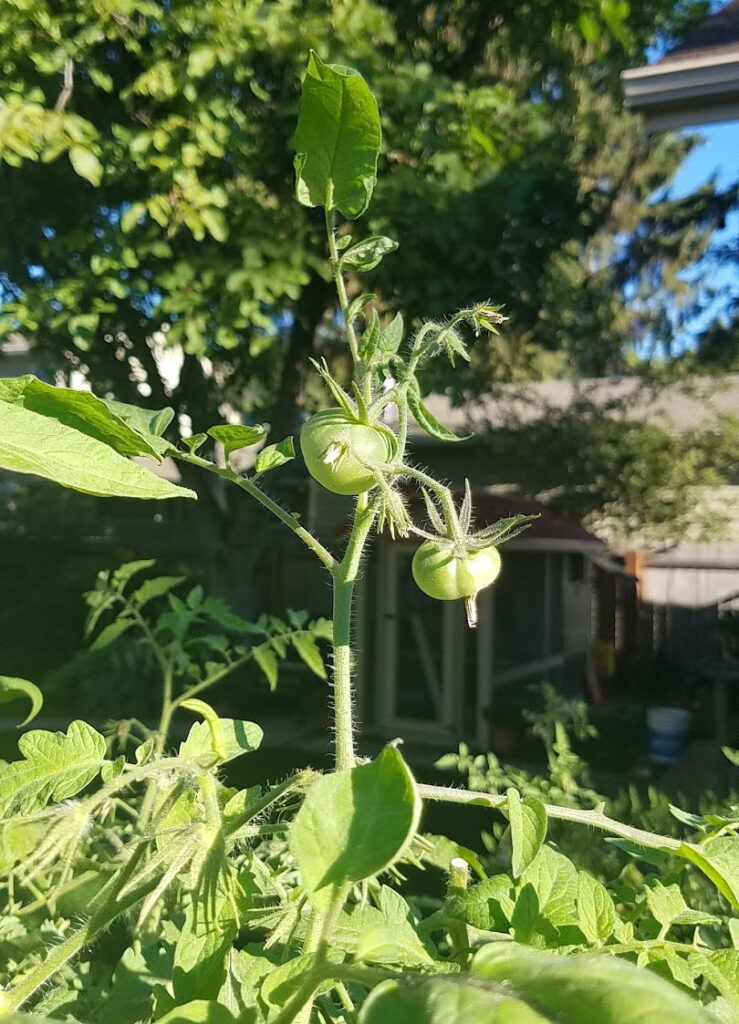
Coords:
419,663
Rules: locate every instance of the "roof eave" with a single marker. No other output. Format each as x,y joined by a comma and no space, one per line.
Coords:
697,90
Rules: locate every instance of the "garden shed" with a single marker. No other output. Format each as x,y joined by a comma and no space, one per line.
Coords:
427,676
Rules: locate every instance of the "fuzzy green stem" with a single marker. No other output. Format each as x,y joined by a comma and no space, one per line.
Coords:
266,502
593,818
442,492
345,578
106,908
269,798
341,288
167,711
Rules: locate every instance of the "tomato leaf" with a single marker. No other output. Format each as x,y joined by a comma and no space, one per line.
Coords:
275,455
367,255
266,658
353,824
426,420
391,336
584,989
44,446
337,139
109,422
12,688
596,914
370,338
528,822
308,650
233,437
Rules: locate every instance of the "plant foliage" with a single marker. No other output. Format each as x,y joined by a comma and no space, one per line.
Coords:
142,880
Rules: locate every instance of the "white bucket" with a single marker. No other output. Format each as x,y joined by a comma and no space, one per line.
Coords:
668,733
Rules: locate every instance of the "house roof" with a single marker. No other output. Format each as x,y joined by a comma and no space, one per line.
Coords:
695,83
697,402
714,38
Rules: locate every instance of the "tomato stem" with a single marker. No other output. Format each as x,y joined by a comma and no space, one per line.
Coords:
345,577
266,502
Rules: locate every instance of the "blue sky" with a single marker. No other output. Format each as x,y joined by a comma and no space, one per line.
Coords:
717,155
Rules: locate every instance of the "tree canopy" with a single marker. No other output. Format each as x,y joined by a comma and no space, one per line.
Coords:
146,188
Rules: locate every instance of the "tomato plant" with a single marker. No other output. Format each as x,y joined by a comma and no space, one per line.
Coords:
133,877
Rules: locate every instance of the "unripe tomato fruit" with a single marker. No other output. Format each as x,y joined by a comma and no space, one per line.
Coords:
335,448
447,577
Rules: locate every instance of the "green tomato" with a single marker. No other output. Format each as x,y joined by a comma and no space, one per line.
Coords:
446,576
336,449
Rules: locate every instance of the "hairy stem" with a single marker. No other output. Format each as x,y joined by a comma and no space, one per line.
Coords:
107,906
593,818
443,493
341,288
345,578
266,502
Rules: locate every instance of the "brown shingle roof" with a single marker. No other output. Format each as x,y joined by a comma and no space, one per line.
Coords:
716,35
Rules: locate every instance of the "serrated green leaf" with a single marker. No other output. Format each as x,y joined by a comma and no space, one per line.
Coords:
42,446
196,441
337,140
18,839
275,455
353,824
266,658
391,938
719,861
150,424
596,913
308,650
234,437
125,573
367,255
236,738
157,587
391,336
12,688
357,305
721,968
528,823
110,633
665,902
283,981
554,880
488,905
426,420
56,766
